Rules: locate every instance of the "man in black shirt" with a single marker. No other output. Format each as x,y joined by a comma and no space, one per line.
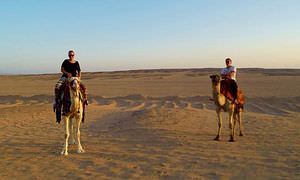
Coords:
70,68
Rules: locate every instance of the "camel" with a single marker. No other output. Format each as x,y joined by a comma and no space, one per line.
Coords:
223,103
75,113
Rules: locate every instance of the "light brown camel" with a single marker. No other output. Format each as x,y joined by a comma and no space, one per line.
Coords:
75,113
222,103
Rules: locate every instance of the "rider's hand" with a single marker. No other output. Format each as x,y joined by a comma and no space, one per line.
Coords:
69,75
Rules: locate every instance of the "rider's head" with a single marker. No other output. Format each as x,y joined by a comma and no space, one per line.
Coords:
228,62
71,54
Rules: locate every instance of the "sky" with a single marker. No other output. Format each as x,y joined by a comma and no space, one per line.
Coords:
109,35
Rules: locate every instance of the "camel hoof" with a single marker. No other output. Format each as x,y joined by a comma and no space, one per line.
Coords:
64,153
241,134
80,151
231,140
217,138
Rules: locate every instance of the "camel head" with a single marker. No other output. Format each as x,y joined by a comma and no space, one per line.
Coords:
74,83
215,79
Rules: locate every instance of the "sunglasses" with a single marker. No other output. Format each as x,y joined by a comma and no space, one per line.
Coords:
71,55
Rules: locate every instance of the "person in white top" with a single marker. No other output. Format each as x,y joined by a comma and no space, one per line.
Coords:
229,72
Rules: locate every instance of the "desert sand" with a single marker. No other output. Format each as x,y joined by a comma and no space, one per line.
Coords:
152,124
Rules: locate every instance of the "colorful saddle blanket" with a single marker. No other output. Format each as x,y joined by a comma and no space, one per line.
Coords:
63,104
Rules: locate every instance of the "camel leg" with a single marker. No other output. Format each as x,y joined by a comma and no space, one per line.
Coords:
217,138
240,123
235,120
67,134
78,122
72,132
231,125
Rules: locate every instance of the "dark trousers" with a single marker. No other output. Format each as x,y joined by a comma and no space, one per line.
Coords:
229,89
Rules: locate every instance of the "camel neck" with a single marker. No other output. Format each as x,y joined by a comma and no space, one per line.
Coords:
217,89
218,97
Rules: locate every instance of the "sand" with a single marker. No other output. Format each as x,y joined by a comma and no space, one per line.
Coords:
152,124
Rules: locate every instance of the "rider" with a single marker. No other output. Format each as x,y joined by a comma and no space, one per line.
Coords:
229,74
70,68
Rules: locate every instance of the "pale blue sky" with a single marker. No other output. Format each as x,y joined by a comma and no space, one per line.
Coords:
35,35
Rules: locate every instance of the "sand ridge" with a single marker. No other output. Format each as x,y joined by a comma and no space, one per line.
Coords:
268,105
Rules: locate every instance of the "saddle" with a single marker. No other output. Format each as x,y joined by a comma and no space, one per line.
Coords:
232,92
63,103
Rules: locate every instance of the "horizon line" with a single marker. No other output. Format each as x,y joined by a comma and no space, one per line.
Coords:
145,69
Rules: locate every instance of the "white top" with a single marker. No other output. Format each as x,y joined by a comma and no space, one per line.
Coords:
228,70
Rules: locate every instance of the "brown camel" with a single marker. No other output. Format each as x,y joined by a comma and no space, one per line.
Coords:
223,103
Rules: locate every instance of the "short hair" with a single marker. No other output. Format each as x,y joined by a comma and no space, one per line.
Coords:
71,51
228,59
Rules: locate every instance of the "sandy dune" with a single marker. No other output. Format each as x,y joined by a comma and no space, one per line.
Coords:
152,124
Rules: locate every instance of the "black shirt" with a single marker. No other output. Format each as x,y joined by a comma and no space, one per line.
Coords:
72,68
